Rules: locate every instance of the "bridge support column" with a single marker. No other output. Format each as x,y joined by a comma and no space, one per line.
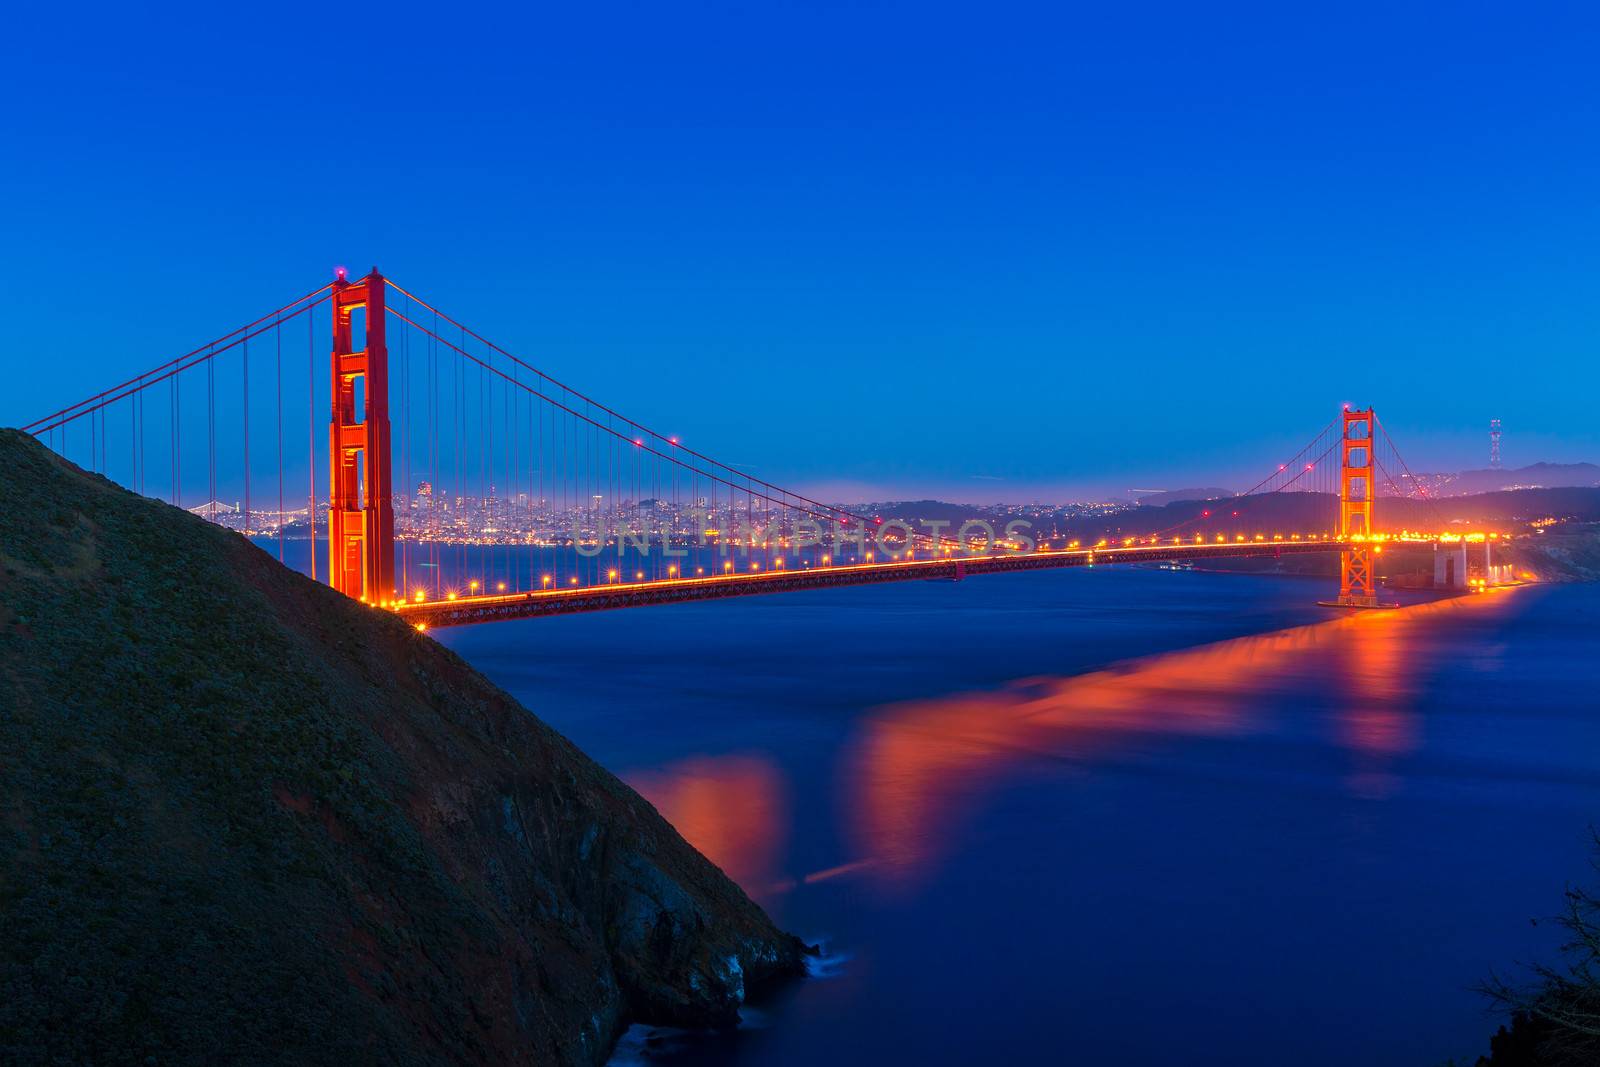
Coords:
1358,587
360,505
1450,565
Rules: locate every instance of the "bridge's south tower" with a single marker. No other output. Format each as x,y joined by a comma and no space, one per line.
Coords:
1357,586
360,508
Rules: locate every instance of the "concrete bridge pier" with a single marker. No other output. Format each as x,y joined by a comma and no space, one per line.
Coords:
1450,565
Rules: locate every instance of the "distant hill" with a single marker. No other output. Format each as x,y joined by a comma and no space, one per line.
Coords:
1263,513
924,510
1270,513
1534,476
244,819
1171,496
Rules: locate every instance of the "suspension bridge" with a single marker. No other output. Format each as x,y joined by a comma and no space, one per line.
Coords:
463,484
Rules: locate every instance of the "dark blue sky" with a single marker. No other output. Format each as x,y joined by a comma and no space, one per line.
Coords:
984,250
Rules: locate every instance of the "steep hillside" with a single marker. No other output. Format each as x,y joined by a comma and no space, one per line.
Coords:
244,819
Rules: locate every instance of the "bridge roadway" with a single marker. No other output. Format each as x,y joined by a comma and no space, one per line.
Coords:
502,606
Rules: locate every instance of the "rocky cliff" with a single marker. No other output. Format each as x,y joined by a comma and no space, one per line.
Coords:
244,819
1562,555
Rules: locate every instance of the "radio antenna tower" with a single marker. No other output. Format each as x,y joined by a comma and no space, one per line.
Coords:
1494,444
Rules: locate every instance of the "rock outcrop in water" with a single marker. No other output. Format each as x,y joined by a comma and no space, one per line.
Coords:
245,819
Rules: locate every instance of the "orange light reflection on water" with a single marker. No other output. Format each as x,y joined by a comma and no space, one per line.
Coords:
733,808
916,768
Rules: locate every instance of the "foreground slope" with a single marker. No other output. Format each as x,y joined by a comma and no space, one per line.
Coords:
243,818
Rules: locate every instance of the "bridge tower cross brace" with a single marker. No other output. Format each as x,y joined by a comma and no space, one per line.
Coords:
1357,585
360,504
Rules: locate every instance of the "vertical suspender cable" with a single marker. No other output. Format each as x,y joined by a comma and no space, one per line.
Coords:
278,338
433,449
485,447
538,415
210,432
405,458
460,406
311,434
245,378
173,435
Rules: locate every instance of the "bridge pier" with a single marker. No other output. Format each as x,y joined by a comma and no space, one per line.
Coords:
1450,565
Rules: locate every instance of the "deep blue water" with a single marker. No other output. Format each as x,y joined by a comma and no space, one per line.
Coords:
1104,816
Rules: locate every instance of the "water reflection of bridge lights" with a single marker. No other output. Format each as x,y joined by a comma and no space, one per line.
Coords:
919,770
733,808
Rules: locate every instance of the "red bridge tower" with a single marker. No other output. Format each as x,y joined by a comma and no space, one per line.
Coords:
1357,586
360,509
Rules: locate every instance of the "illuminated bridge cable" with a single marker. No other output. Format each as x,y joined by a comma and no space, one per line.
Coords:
245,432
311,435
1294,461
1416,483
1290,474
149,377
211,440
176,437
405,498
278,367
640,427
203,355
583,471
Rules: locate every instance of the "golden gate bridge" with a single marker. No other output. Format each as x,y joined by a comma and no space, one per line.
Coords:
521,496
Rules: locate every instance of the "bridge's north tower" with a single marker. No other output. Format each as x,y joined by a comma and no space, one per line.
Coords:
1357,585
360,506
